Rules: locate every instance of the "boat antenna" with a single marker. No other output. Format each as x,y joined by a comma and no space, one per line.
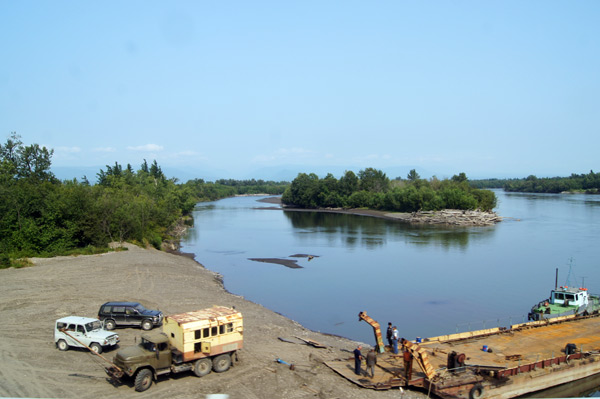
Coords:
556,280
569,275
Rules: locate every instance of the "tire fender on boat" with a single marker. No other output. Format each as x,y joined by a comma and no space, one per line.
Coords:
476,392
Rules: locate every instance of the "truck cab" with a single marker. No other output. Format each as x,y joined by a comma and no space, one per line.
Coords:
153,351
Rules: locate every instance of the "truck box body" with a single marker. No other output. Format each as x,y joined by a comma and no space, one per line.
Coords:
205,333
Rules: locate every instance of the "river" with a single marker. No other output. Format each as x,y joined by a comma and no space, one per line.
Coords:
427,280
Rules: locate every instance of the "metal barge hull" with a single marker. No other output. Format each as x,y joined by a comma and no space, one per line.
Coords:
521,359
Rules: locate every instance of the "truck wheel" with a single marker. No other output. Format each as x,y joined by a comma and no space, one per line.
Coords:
143,380
202,367
110,324
62,345
222,363
96,347
146,325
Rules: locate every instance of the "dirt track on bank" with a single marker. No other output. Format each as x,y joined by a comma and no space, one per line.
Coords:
31,299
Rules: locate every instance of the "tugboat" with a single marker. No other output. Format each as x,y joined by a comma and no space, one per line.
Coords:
565,301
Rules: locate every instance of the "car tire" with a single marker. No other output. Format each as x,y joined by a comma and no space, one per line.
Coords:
143,380
96,347
147,325
222,363
110,324
62,345
202,367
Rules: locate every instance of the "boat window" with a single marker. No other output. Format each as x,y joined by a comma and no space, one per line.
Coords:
570,297
559,295
206,332
197,334
213,331
229,327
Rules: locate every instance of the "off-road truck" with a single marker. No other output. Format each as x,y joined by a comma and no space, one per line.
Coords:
82,332
198,341
117,314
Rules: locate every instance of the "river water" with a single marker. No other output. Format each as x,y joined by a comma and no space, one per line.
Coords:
427,280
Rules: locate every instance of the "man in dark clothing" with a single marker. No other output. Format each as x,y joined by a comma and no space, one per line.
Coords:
371,362
389,334
357,359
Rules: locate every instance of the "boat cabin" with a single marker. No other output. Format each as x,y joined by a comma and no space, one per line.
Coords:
569,296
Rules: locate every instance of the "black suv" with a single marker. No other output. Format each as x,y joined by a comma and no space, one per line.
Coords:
129,314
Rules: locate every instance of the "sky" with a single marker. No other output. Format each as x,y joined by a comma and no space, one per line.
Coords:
270,89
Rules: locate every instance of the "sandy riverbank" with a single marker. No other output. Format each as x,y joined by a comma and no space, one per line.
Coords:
32,298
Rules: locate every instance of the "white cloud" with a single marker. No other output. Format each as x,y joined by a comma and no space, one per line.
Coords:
104,149
147,148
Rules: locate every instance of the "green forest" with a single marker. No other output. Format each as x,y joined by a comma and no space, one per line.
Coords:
372,189
43,216
583,183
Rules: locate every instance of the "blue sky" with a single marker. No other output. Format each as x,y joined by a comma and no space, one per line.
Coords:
267,89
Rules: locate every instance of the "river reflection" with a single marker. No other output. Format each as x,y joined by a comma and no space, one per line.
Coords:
371,232
428,280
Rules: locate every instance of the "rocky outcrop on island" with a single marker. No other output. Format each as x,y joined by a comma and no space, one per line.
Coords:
453,217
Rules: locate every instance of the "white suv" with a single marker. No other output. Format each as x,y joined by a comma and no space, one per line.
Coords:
82,331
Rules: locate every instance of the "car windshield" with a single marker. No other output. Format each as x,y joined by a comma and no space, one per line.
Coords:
140,308
94,325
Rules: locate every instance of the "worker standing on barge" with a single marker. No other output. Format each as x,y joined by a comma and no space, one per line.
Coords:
408,361
371,362
395,340
357,360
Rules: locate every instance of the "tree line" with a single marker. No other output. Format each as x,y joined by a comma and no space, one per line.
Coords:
586,183
43,216
372,189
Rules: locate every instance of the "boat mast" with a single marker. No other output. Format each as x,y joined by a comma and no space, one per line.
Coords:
556,280
569,275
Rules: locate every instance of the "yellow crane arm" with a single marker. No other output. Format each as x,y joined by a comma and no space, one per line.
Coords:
376,329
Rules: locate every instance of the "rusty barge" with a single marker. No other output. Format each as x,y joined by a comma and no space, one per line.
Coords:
492,363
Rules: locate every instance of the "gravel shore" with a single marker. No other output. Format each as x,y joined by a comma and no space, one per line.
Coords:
32,298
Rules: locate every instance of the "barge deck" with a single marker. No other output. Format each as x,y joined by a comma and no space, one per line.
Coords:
517,360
